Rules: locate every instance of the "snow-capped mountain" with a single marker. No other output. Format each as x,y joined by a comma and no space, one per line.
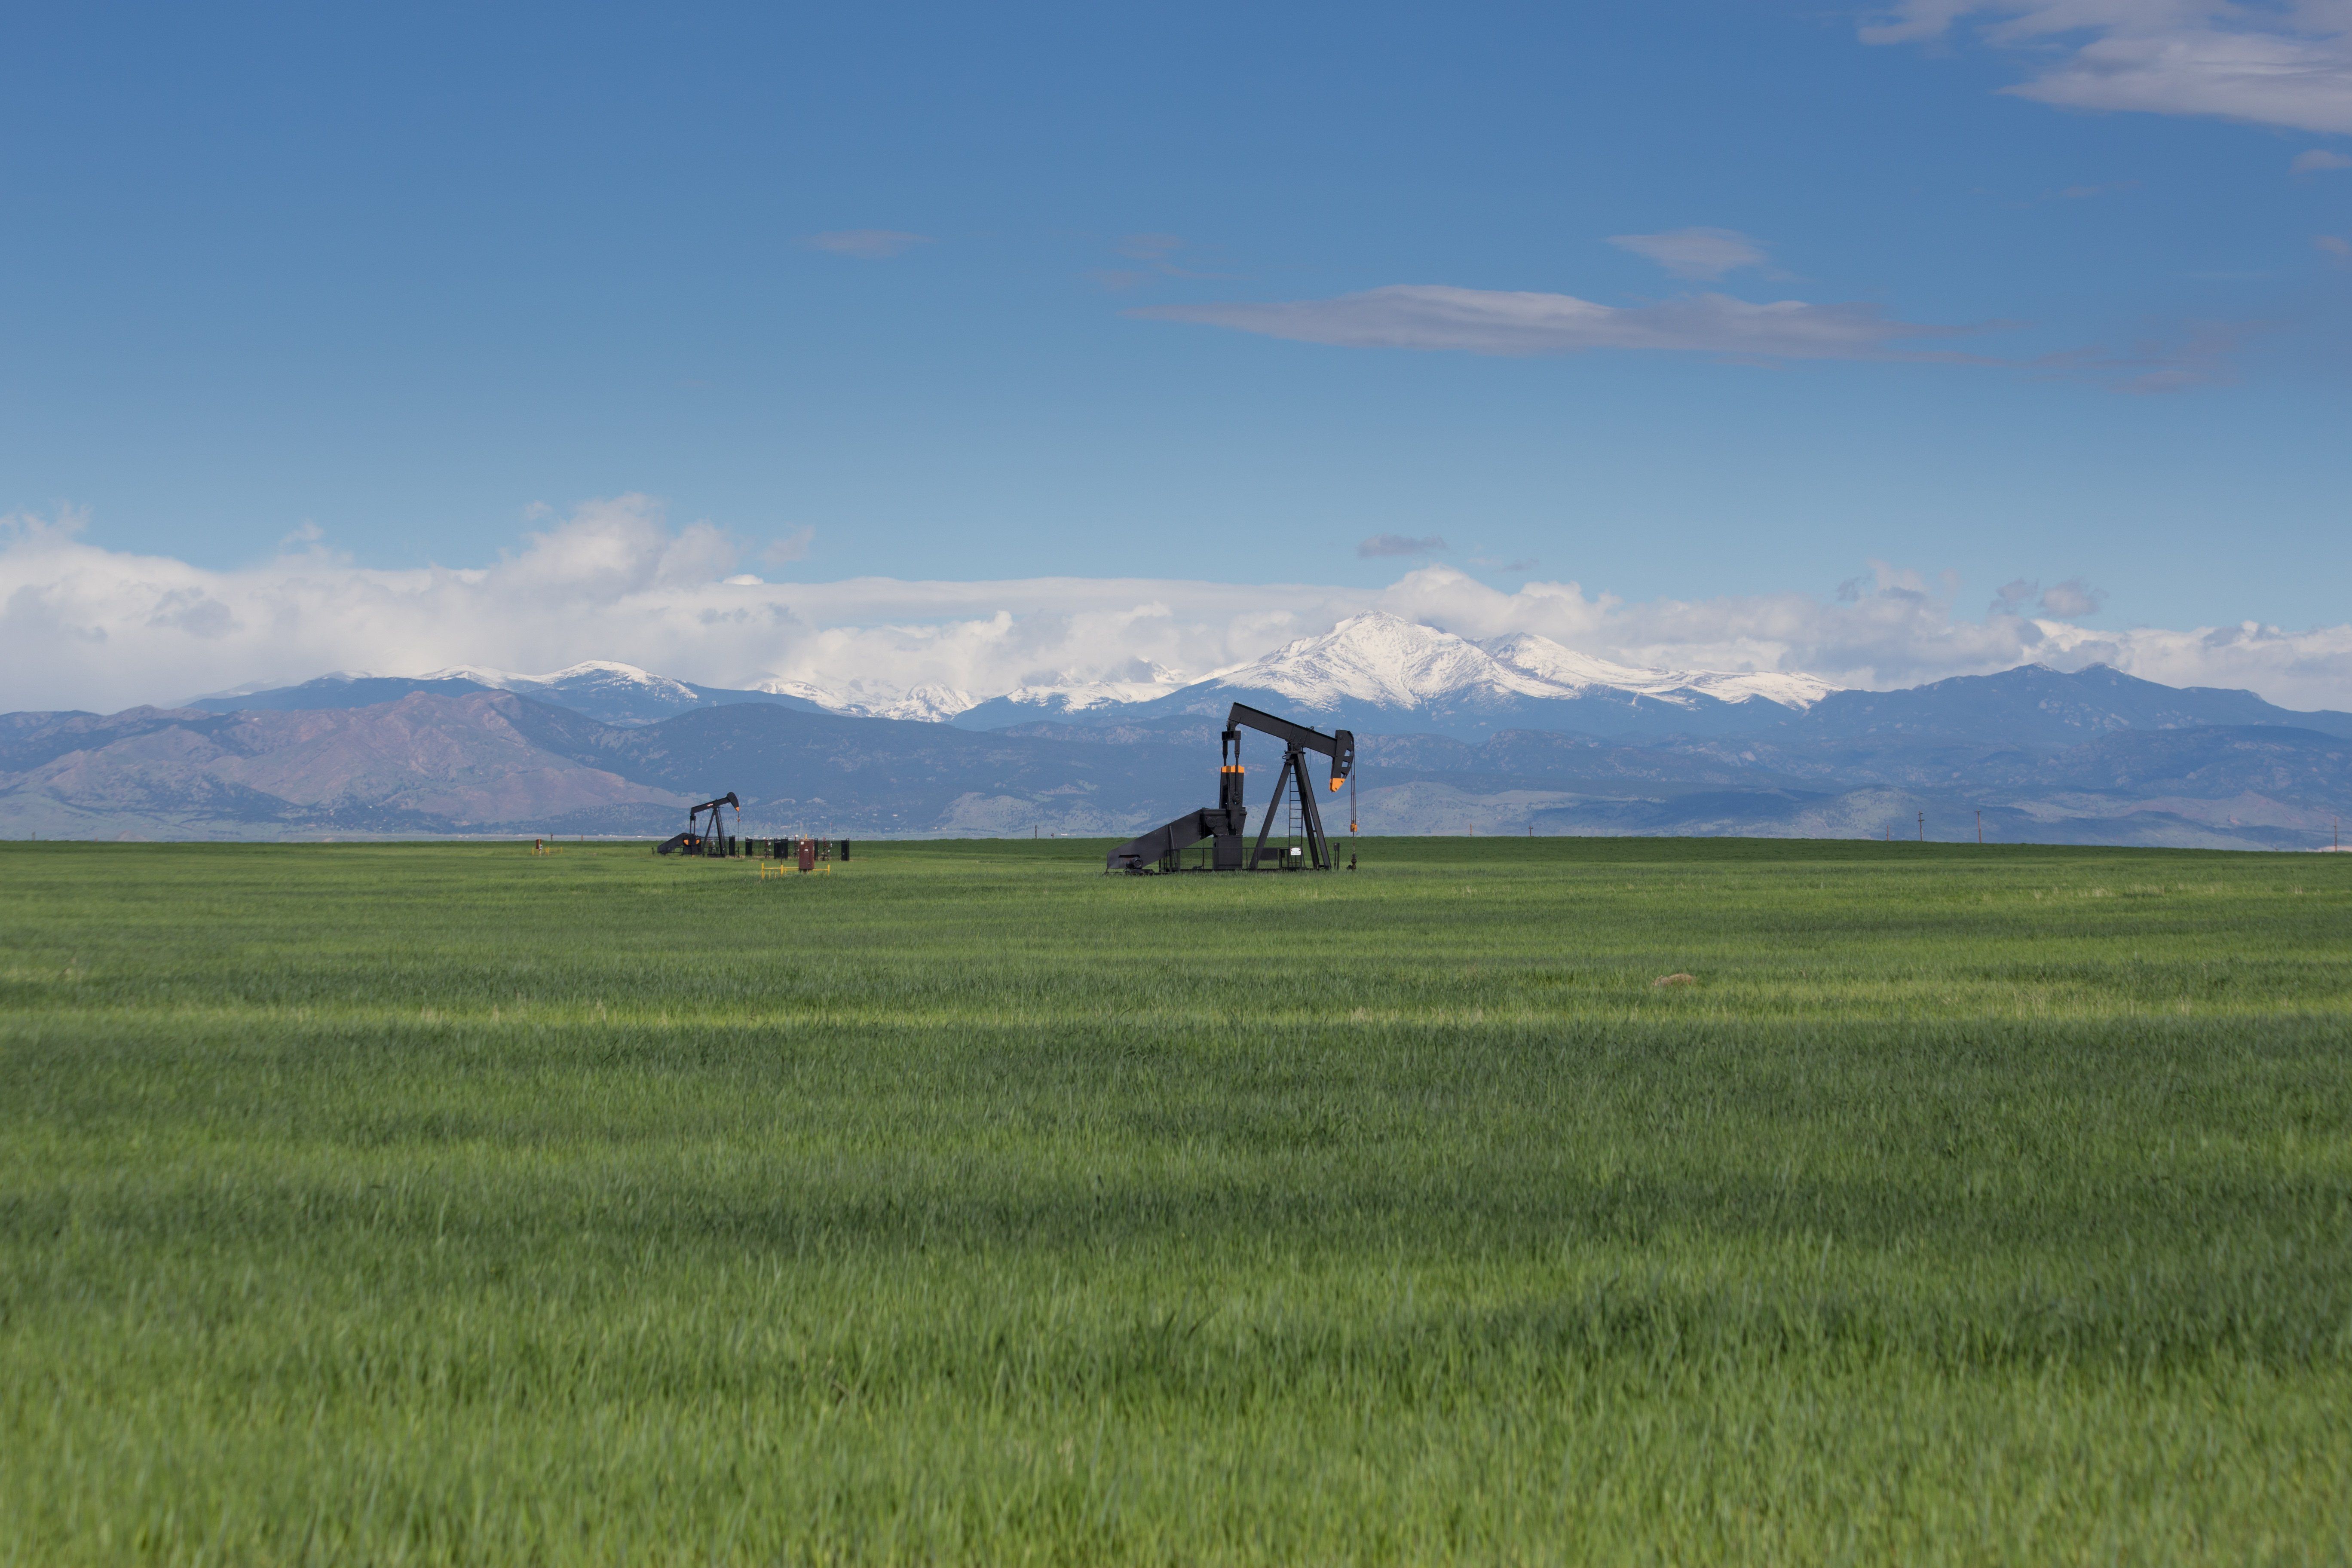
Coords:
615,693
1380,673
1026,704
1374,672
1548,661
863,699
1383,661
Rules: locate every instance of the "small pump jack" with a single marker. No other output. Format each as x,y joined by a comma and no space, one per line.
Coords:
699,843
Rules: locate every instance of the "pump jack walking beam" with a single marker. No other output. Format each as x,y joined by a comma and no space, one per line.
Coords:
1227,820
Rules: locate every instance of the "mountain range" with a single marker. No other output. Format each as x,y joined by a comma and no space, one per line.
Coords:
1378,673
1372,672
1514,735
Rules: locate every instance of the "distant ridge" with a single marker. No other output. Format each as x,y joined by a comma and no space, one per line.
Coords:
608,692
2092,756
1380,674
2036,705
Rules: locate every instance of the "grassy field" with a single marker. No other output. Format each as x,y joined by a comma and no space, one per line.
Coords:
440,1203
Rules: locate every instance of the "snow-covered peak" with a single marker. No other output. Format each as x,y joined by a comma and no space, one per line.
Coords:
865,700
1798,691
1071,694
1077,695
1541,659
498,680
1574,673
1385,661
821,696
931,702
606,674
601,675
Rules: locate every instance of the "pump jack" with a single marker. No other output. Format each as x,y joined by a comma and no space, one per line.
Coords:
1225,822
696,843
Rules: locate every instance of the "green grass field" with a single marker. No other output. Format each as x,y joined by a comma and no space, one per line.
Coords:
440,1203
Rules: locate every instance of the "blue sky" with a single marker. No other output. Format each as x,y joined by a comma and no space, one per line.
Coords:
413,282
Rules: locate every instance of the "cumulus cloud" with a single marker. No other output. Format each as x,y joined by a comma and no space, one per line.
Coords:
1702,253
82,626
1398,545
2318,161
2270,62
2069,600
1894,627
865,244
1495,321
2072,599
2010,598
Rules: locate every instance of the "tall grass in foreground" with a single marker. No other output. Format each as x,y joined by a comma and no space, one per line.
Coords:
443,1204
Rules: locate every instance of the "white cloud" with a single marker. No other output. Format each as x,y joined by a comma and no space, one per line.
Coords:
2335,246
2318,161
865,244
2285,62
84,627
2072,599
1704,253
1493,321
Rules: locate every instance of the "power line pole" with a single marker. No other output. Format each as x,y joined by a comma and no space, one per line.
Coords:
1923,827
1980,827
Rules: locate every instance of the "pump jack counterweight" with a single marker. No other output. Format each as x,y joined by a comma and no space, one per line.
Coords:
1225,823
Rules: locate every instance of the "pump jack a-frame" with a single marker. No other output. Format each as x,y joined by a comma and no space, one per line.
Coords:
1225,823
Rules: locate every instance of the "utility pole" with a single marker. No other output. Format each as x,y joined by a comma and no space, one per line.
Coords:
1980,827
1923,827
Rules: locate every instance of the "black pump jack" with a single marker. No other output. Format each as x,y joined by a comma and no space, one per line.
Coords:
1225,823
692,842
